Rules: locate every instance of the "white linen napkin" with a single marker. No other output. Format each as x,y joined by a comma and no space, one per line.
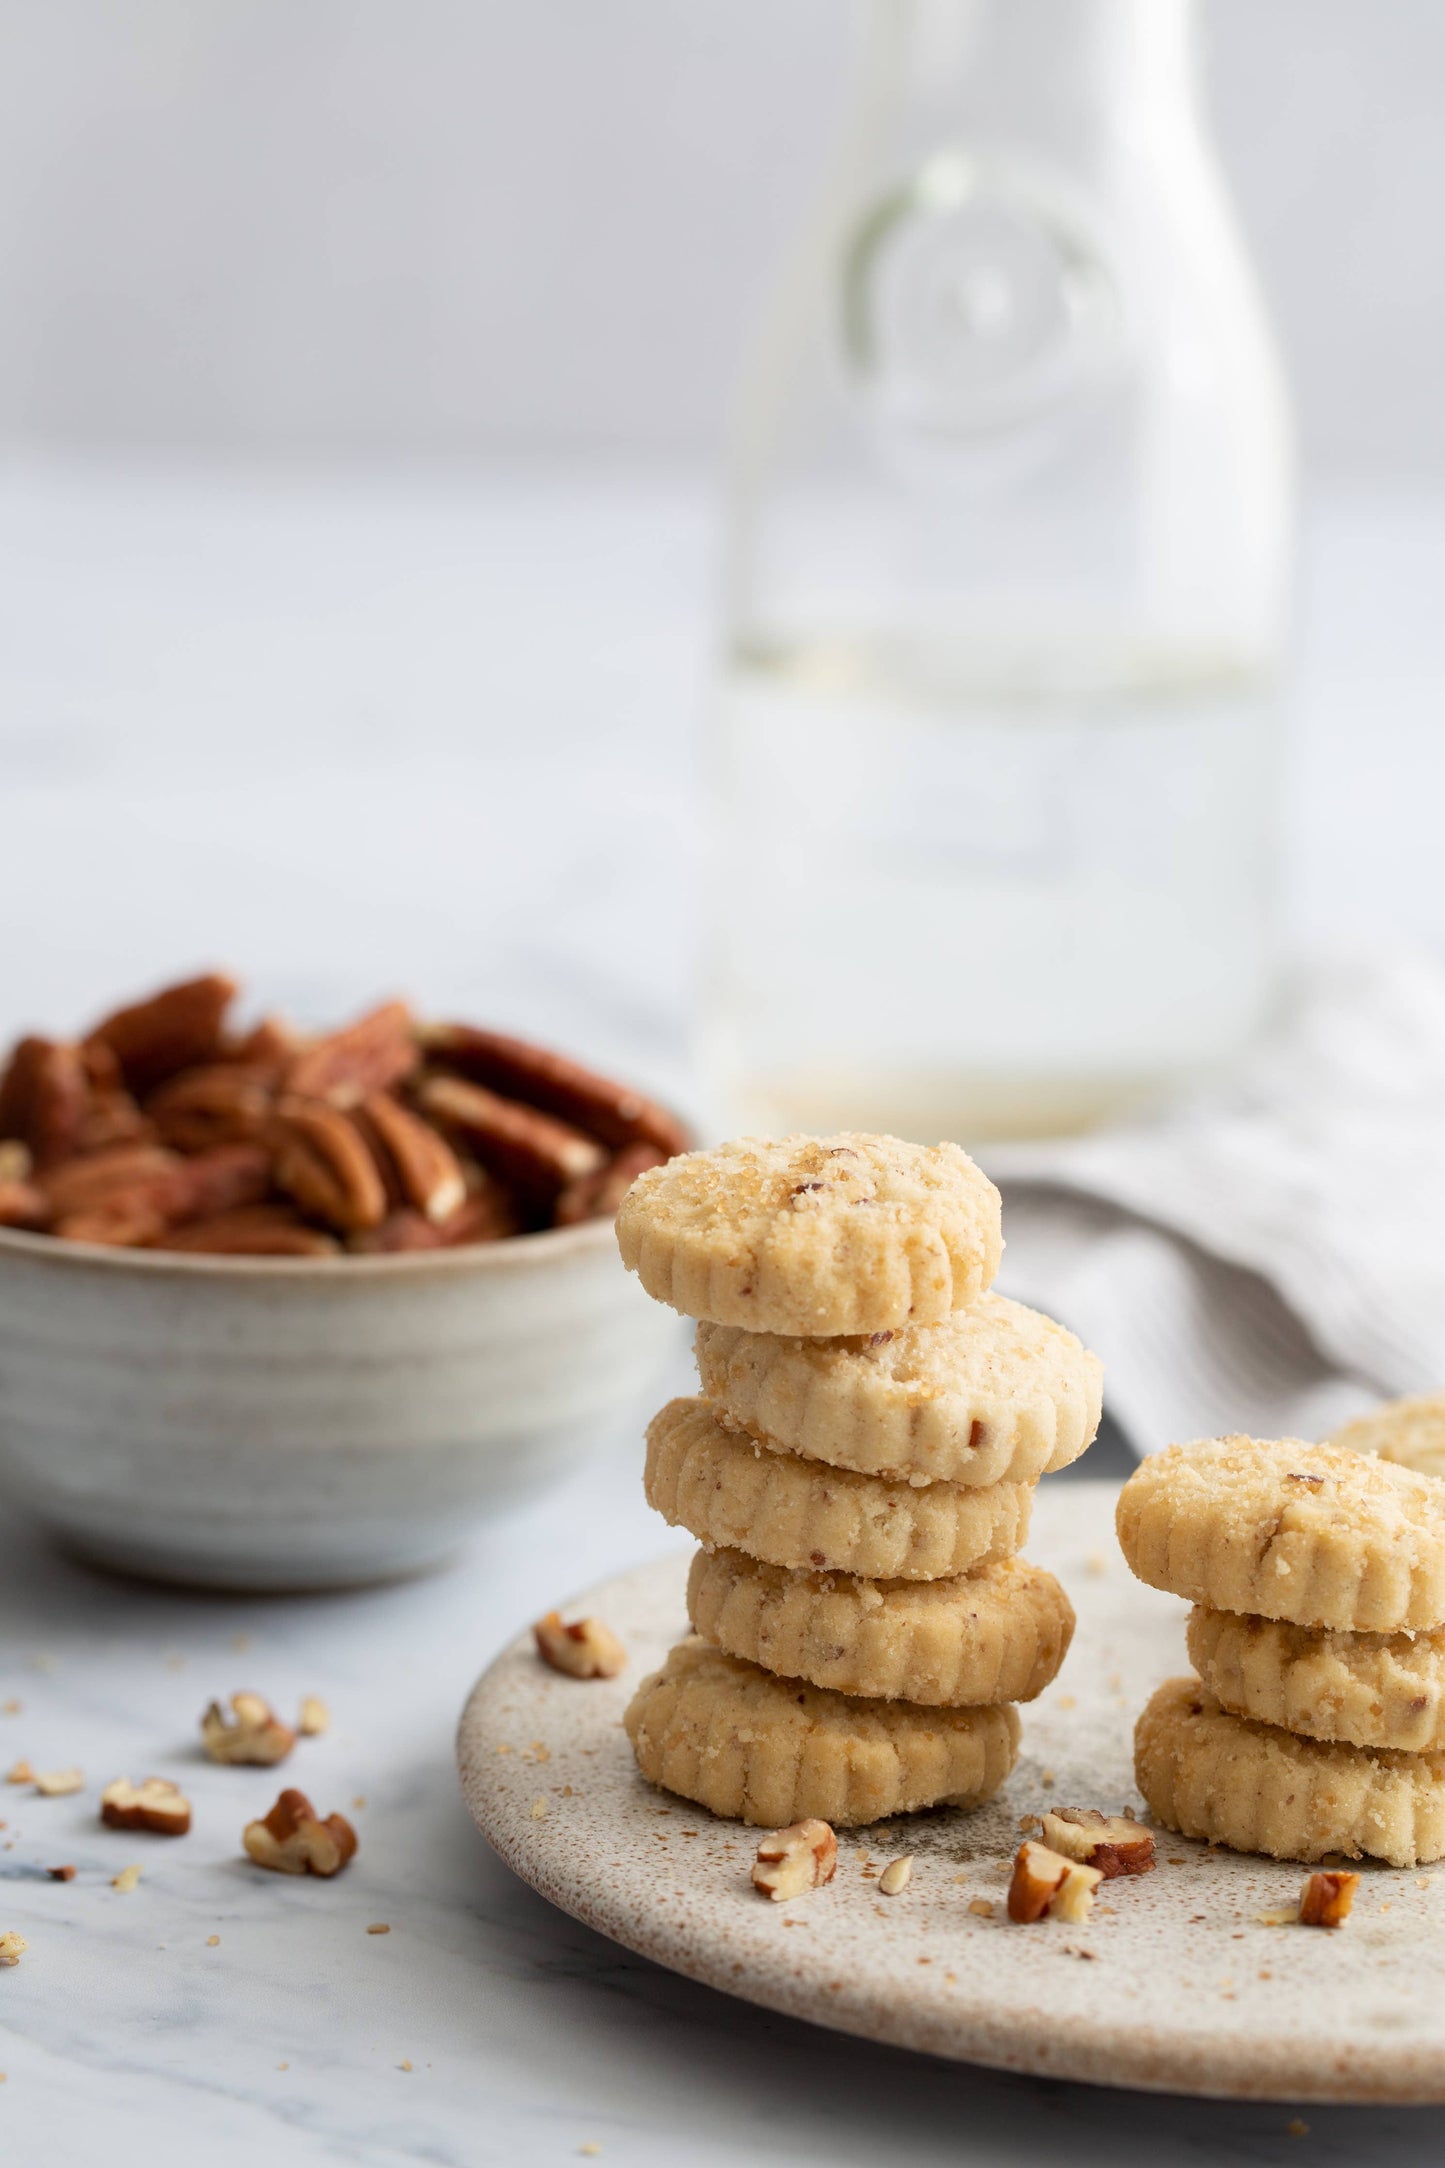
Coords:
1267,1255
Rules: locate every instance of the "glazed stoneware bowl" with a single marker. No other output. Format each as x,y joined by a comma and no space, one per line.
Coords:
288,1423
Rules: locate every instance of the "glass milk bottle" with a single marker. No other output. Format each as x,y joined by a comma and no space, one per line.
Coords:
1009,526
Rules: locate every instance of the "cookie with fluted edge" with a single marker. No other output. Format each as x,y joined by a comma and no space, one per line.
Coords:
1226,1780
727,1488
995,1393
999,1634
816,1235
771,1751
1365,1689
1311,1533
1409,1432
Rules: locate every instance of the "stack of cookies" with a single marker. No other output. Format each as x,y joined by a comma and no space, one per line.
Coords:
859,1469
1317,1721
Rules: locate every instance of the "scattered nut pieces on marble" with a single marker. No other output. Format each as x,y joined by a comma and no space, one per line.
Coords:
61,1874
584,1650
12,1949
1114,1843
1326,1899
314,1718
255,1735
20,1773
157,1805
126,1880
896,1876
1044,1881
801,1857
293,1839
59,1783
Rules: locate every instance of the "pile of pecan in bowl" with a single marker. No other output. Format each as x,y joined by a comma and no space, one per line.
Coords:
164,1129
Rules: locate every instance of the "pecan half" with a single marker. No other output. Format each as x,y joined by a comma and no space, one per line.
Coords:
543,1079
323,1162
490,1214
371,1055
293,1839
174,1029
423,1168
224,1103
534,1150
156,1804
403,1230
43,1096
224,1179
132,1168
263,1230
22,1205
270,1045
597,1196
127,1220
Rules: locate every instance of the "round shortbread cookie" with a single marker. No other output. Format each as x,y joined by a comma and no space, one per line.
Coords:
994,1394
771,1751
1409,1432
1385,1690
730,1489
1312,1533
996,1635
1226,1780
818,1235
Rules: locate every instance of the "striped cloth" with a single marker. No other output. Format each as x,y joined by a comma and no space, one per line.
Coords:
1268,1255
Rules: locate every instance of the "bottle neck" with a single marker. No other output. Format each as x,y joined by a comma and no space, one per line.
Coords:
1071,69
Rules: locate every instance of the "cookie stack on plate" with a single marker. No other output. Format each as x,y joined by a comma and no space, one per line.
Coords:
1317,1721
859,1469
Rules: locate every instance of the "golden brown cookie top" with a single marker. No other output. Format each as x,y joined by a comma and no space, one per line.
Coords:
1409,1432
814,1235
1313,1533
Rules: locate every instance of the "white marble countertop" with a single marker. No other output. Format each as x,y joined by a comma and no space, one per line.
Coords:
347,737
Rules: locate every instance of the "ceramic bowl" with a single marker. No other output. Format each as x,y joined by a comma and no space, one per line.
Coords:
274,1423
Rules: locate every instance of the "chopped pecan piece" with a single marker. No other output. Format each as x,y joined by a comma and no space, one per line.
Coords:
292,1838
323,1161
585,1650
538,1153
802,1857
256,1733
896,1876
136,1172
59,1783
12,1948
315,1717
1044,1881
424,1170
543,1079
1109,1842
43,1096
157,1805
175,1029
1326,1899
371,1055
597,1196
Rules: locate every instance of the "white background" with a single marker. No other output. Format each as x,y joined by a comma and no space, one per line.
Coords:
519,226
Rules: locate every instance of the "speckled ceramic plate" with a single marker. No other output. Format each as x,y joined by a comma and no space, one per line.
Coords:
1175,1984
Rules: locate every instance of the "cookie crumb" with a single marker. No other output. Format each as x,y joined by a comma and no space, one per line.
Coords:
1297,2127
896,1877
590,2149
539,1808
982,1907
405,2063
211,1941
126,1880
1096,1564
314,1717
379,1927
